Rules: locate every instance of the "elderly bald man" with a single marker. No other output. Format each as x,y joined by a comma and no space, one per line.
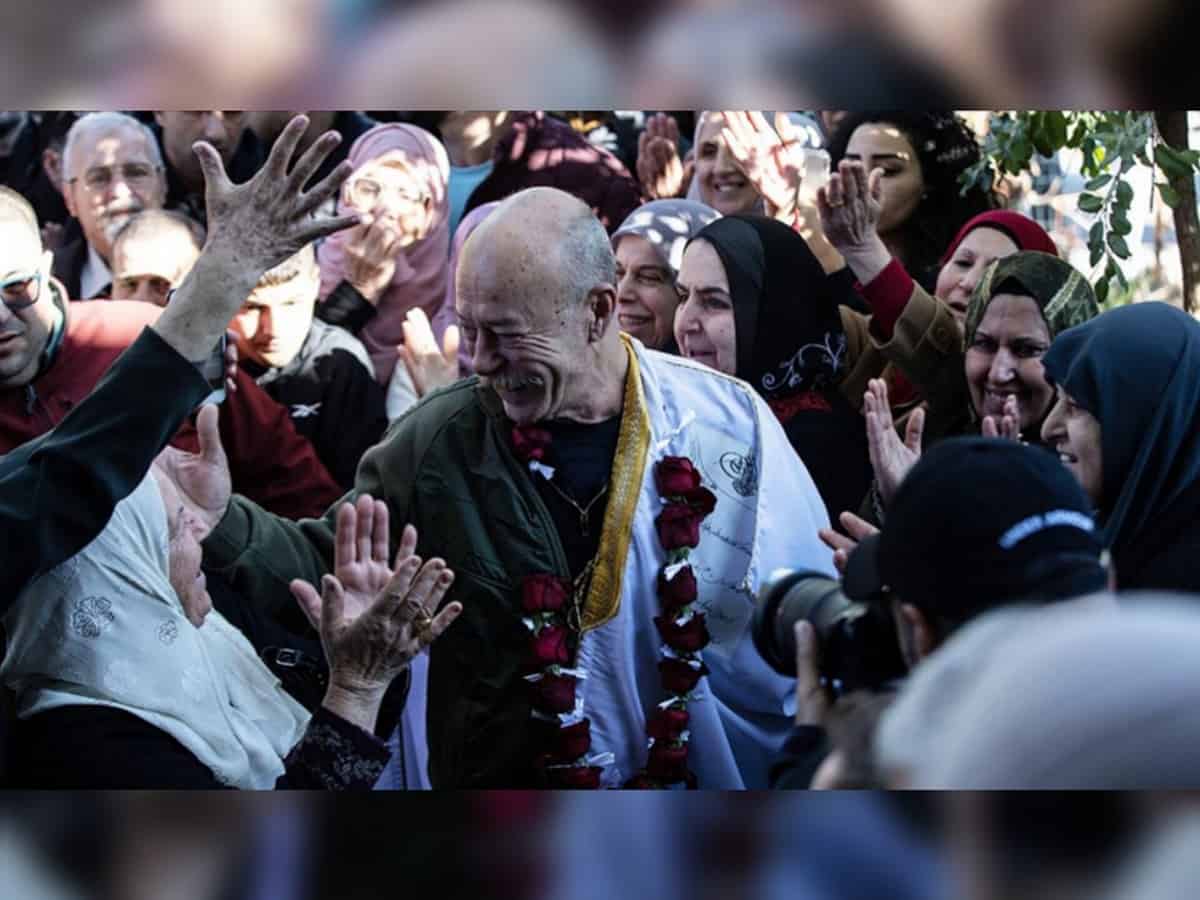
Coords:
603,506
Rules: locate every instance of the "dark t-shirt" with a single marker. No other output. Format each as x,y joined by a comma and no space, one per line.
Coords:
582,457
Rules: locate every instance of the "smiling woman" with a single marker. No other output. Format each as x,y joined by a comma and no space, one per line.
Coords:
757,305
1124,423
649,251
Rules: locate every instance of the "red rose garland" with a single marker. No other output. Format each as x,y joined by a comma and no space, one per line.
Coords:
682,629
564,762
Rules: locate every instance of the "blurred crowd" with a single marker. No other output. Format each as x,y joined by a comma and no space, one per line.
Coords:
971,846
526,449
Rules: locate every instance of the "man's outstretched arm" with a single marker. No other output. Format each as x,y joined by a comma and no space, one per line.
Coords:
58,491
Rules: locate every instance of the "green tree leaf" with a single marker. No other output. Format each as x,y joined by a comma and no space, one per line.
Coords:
1124,194
1096,244
1101,288
1120,222
1090,203
1118,246
1169,195
1098,182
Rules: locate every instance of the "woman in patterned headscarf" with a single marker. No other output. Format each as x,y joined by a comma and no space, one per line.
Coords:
997,384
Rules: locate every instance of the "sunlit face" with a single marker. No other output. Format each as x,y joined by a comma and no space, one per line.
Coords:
147,267
646,295
704,323
958,278
1005,359
184,533
526,339
274,321
879,145
1074,433
112,178
24,325
722,184
393,189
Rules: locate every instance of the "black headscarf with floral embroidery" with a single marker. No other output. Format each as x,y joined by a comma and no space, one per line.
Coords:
791,348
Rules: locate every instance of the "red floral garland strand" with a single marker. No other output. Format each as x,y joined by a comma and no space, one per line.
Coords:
682,628
564,763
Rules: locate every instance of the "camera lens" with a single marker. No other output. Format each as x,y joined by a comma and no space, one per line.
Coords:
788,598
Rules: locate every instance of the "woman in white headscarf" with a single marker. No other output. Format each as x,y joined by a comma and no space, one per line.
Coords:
117,688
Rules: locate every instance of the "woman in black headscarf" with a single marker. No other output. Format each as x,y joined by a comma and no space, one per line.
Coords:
757,304
1125,423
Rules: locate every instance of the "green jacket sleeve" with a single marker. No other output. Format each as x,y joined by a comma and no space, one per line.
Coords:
58,491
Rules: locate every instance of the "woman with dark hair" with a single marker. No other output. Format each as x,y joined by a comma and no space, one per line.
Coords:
758,305
922,155
1124,423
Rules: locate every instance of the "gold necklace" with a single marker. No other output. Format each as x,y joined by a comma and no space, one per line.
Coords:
582,510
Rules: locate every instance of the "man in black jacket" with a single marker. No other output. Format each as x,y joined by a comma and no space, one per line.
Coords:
321,374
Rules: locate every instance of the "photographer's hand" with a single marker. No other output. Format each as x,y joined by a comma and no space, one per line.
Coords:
812,700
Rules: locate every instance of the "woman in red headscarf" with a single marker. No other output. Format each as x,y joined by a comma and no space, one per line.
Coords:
911,340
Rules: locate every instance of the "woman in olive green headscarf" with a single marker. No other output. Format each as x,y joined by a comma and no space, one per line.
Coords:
998,385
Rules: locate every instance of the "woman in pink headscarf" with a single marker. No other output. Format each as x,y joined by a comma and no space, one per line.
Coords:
372,275
432,354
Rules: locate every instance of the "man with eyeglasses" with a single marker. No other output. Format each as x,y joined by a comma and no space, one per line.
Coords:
112,170
36,531
53,352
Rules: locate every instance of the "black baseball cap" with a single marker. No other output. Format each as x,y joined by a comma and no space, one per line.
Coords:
980,523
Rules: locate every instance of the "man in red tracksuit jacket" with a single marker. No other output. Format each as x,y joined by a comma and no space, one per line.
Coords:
270,462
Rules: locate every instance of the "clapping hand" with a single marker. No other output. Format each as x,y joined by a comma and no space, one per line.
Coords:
375,618
430,367
659,168
371,248
1007,425
891,457
772,159
849,207
202,479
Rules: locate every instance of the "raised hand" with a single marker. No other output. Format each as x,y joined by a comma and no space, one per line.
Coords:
252,227
1007,425
849,207
271,217
772,159
840,544
374,618
890,457
371,248
202,479
430,367
659,168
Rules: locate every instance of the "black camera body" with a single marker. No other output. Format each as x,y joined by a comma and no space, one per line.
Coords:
857,648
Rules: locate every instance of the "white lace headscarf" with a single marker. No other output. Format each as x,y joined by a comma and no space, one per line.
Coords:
106,628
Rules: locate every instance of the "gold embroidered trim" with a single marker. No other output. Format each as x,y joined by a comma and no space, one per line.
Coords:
624,488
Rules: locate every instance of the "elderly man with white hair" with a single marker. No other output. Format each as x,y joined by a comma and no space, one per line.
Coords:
112,170
607,514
